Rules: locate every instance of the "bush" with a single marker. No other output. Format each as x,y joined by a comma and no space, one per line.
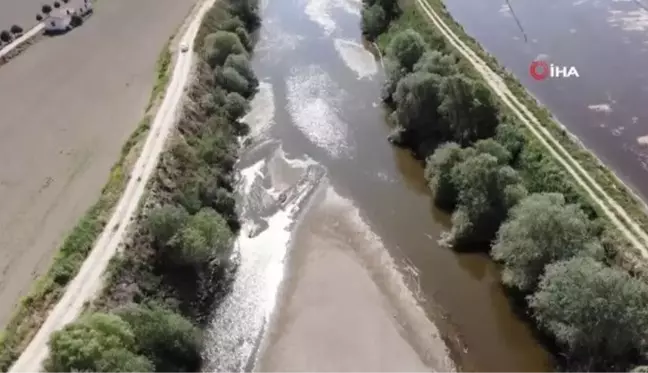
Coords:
171,342
219,45
39,17
542,229
96,343
206,238
487,190
236,105
57,4
230,80
5,36
598,314
406,48
46,9
165,221
374,21
15,29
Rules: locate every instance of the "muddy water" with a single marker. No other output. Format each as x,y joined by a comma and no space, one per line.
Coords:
606,40
340,269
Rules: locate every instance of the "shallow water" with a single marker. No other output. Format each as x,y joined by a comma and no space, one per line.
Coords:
318,172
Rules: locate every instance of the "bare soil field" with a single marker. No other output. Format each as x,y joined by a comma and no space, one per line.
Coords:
68,105
19,12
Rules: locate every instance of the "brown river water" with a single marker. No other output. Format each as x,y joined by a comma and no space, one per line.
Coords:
340,269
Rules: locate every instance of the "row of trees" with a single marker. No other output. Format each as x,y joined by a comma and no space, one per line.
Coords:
506,196
189,228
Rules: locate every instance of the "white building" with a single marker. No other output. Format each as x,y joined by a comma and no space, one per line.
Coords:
58,21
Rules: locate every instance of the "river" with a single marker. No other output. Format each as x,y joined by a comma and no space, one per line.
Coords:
340,269
607,42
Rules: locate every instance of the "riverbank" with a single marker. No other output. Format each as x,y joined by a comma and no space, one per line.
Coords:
510,155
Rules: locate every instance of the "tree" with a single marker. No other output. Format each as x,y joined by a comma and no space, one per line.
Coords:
236,105
219,45
438,173
374,21
231,81
417,99
39,17
5,36
247,11
542,229
57,4
165,221
171,342
15,29
97,343
205,238
395,72
47,9
241,64
492,147
468,108
436,62
406,48
487,190
511,138
598,314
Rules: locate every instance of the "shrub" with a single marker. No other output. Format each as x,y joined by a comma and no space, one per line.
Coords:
5,36
542,229
374,21
97,343
171,342
230,80
487,190
47,9
236,105
15,29
57,4
219,45
406,48
205,238
598,314
165,221
39,17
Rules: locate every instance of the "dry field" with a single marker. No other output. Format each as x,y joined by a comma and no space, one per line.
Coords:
67,106
20,12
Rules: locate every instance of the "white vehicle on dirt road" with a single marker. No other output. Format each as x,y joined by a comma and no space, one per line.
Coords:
89,279
184,47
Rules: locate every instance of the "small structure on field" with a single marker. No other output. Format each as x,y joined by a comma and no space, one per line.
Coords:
59,20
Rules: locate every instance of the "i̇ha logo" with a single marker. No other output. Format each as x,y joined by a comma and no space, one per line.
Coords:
540,70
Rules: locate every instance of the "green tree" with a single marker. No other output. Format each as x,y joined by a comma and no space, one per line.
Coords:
241,63
219,45
406,48
468,108
394,72
171,342
492,147
511,138
487,190
417,100
236,105
165,221
437,62
374,21
204,239
247,11
542,229
598,314
438,173
96,343
230,80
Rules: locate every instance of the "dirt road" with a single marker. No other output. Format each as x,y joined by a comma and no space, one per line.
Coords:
85,285
68,105
617,215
